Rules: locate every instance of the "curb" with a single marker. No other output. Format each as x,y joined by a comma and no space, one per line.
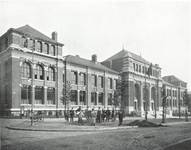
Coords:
73,130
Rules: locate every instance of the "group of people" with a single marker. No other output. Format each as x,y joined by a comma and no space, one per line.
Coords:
94,116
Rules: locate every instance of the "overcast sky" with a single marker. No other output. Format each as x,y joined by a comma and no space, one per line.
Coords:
160,31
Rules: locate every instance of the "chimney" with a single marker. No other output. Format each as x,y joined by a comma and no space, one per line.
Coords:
54,36
94,58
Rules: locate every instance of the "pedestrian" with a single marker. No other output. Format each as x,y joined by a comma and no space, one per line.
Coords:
107,114
103,115
113,114
80,115
72,115
120,115
93,116
99,115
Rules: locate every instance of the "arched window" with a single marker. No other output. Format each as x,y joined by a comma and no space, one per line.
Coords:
26,70
39,72
46,48
51,74
39,46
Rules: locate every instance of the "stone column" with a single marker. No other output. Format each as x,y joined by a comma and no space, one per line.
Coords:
78,97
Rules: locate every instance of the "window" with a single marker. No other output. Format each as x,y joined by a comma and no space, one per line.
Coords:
152,106
82,97
51,74
39,46
52,50
51,95
109,98
82,78
39,95
39,72
26,70
74,97
24,42
74,77
94,80
115,83
143,69
101,81
135,105
137,67
134,66
46,48
93,98
100,100
31,44
110,83
144,106
26,94
140,68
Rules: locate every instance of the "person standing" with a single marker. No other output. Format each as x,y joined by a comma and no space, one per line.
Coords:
107,114
71,115
120,114
99,115
93,115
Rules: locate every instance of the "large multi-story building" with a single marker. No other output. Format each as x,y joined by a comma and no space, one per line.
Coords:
34,74
142,82
174,90
34,71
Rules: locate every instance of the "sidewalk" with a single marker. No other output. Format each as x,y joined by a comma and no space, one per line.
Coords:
60,125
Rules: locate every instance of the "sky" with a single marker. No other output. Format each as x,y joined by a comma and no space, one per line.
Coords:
159,31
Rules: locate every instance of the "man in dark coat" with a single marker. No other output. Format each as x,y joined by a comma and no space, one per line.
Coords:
99,115
120,115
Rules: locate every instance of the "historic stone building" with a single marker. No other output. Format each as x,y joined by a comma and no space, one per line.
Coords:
34,71
92,83
174,89
141,83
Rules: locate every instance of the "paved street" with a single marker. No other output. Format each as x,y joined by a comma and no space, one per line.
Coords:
131,139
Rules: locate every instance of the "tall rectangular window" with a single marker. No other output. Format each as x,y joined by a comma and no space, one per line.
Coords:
134,66
140,68
82,78
110,83
82,97
109,98
26,94
39,95
94,80
93,98
74,97
143,69
100,99
101,81
74,77
51,95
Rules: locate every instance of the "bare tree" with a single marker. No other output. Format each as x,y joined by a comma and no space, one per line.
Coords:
66,97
